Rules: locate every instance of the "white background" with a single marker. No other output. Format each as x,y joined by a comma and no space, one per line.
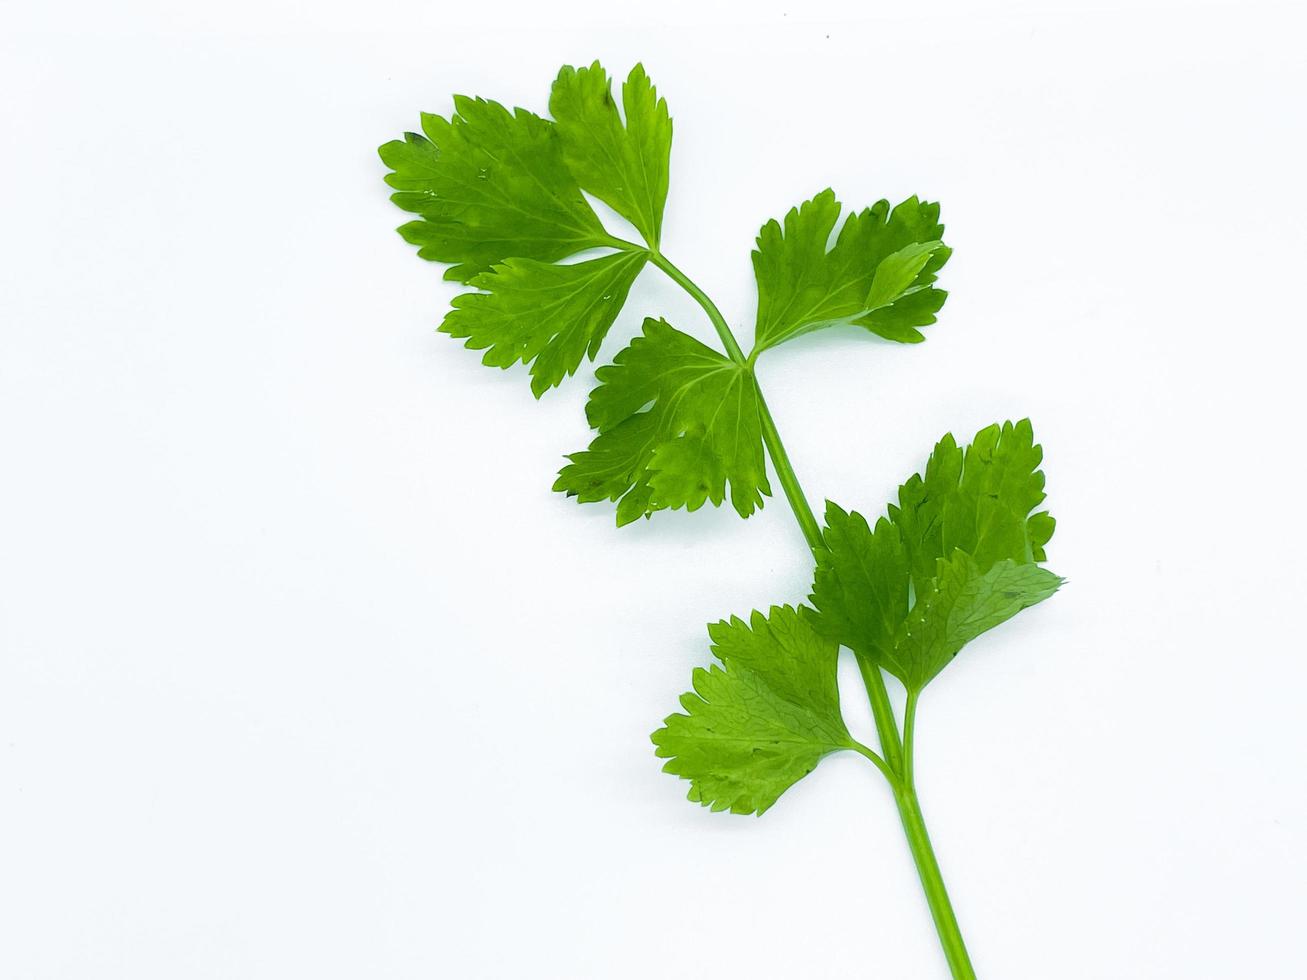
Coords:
305,672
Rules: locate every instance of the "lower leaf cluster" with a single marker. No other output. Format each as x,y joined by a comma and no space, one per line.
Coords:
956,556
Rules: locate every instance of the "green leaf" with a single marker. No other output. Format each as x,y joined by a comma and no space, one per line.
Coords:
759,724
861,582
1040,527
979,501
919,514
489,185
955,557
414,162
962,603
625,165
548,316
897,274
877,275
677,423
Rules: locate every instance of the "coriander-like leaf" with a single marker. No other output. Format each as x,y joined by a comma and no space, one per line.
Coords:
962,603
861,582
489,185
677,423
979,501
624,164
546,315
877,275
956,556
761,722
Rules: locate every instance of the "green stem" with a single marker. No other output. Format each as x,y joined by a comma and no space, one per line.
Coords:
878,762
882,711
789,480
932,882
909,730
896,765
923,855
715,315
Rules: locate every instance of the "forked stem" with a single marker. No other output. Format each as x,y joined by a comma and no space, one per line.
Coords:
896,764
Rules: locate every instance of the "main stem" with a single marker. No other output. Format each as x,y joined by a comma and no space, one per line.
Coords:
923,855
897,752
932,882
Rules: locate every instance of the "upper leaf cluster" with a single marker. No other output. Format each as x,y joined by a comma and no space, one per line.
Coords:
499,196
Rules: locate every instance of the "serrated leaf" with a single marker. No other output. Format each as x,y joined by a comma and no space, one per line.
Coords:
961,604
761,722
546,315
678,423
489,185
861,582
414,163
877,275
623,163
898,272
979,501
954,557
1040,527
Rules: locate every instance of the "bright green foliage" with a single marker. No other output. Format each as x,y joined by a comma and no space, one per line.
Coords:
490,185
955,557
979,501
624,165
677,423
499,196
761,722
961,604
877,275
413,164
861,582
961,542
547,315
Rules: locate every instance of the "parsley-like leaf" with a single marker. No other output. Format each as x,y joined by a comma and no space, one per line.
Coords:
962,603
979,501
677,423
625,165
761,722
489,185
877,275
550,316
955,557
861,582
